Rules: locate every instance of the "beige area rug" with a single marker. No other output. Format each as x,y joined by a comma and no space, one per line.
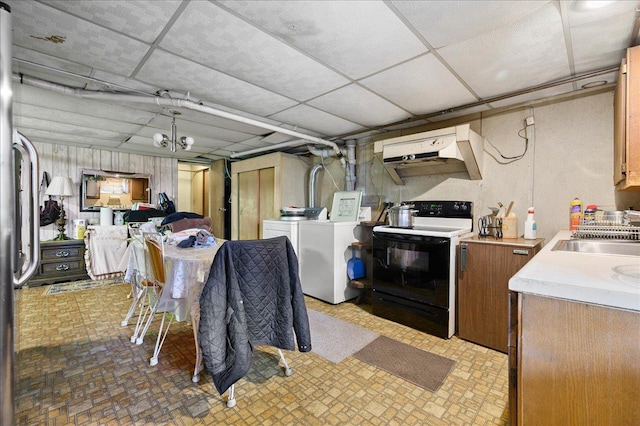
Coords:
419,367
80,285
334,339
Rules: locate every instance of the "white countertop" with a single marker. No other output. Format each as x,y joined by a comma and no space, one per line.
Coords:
599,279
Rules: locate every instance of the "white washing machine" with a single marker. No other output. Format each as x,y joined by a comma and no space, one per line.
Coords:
278,228
324,249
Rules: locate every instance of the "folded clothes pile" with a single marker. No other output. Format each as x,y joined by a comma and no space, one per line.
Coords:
202,239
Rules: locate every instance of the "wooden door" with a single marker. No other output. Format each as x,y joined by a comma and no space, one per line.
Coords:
255,201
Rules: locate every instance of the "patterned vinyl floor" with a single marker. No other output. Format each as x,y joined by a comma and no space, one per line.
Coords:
76,366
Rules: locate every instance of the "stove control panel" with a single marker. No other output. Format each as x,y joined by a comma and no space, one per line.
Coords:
444,209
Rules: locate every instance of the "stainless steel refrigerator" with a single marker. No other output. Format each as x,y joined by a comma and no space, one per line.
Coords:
19,219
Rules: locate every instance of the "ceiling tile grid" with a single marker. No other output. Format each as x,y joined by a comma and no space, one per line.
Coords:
508,58
420,86
328,68
357,38
359,105
170,72
210,35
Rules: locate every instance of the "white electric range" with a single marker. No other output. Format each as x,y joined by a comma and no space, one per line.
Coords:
414,273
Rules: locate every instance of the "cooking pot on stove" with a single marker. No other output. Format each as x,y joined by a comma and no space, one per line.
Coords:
401,216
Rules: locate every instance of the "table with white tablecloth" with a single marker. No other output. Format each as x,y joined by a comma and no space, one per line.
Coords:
187,270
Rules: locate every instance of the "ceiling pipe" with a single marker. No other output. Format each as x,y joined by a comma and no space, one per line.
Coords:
181,103
276,146
324,153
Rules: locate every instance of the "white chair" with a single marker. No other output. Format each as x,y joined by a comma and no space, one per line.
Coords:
159,299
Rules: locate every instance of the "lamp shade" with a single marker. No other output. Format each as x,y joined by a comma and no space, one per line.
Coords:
60,186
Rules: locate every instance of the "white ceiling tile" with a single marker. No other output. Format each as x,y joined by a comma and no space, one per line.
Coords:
47,116
40,97
316,120
599,46
27,58
359,105
523,54
43,29
420,86
212,36
446,22
172,73
357,38
143,20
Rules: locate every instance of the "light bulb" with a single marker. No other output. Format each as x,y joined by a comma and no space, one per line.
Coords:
189,140
157,139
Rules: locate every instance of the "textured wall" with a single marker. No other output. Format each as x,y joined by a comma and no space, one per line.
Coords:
63,160
570,154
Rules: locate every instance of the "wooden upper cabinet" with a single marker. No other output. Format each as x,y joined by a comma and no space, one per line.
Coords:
626,153
140,190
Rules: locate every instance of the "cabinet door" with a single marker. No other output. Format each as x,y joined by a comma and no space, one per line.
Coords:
256,201
626,136
578,364
139,190
619,124
483,292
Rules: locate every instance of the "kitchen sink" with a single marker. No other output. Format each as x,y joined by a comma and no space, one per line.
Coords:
619,248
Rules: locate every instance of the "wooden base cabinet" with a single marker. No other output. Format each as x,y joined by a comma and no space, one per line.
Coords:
485,266
60,261
573,363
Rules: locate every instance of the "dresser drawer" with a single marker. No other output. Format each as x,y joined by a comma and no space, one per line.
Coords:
56,253
71,266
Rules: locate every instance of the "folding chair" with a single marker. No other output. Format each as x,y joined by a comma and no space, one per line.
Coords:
160,299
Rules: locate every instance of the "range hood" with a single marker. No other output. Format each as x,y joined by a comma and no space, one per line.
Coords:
449,150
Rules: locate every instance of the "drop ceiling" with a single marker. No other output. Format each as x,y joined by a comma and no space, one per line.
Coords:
330,69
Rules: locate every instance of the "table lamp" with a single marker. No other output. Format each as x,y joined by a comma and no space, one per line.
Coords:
61,187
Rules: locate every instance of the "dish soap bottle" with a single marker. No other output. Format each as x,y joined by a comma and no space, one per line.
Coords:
530,226
575,214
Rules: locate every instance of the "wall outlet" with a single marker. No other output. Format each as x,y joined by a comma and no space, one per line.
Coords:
529,121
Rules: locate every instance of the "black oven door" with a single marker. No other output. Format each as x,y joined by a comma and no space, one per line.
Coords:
413,267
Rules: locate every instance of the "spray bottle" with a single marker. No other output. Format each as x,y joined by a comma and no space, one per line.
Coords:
530,225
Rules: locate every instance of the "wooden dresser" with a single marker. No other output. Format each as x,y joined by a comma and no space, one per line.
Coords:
60,261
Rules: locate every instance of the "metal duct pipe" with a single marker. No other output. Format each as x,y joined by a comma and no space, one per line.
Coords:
312,183
179,103
350,171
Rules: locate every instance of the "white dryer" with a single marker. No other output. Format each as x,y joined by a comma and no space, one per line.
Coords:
324,249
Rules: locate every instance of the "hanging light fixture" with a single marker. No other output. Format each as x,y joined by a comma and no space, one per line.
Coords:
163,141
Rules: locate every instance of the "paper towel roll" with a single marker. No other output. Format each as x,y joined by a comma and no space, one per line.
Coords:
106,216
